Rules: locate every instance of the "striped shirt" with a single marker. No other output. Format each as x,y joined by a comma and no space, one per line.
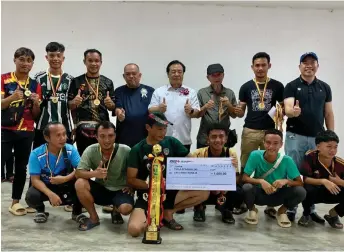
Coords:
50,111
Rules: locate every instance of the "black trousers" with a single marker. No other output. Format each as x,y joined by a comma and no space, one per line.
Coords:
35,198
39,138
319,194
21,142
82,141
7,172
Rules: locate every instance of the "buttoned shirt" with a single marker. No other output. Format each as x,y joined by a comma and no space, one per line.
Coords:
175,100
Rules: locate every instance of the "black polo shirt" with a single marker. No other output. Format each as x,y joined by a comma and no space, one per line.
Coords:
312,98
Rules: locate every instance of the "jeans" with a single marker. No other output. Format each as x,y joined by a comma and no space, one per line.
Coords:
296,147
287,196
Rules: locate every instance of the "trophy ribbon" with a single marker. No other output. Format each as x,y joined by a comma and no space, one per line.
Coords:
278,118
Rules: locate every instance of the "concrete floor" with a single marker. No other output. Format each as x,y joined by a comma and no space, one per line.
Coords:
60,233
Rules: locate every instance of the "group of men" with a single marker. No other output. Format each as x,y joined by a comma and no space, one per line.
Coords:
110,163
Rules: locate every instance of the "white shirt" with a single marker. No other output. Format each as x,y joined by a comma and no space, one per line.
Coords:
175,102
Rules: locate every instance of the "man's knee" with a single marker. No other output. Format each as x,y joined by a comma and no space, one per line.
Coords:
82,185
299,193
33,197
204,195
125,209
135,229
247,188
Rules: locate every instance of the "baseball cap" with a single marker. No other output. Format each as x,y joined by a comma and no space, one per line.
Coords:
157,118
308,54
215,68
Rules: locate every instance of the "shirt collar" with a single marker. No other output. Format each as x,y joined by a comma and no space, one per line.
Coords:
223,153
169,87
306,83
211,90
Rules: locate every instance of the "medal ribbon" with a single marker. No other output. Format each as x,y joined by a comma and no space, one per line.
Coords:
262,95
107,167
52,84
47,160
332,172
26,82
90,86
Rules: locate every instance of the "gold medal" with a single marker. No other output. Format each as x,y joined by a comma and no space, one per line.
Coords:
27,92
96,102
55,99
261,105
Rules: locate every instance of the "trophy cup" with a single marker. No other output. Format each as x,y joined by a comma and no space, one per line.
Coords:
278,118
155,197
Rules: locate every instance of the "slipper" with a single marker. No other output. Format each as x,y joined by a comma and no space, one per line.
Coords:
283,220
252,217
30,210
68,208
172,224
87,225
333,221
17,210
41,217
271,212
107,209
81,218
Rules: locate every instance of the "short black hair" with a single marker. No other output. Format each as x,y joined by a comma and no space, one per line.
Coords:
217,126
261,55
46,130
55,47
274,132
105,125
93,51
173,62
23,51
326,136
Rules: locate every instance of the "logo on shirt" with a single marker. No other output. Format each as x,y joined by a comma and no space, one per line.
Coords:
144,93
166,151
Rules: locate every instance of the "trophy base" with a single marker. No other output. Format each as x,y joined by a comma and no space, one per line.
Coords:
152,237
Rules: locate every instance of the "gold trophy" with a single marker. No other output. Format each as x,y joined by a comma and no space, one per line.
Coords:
278,118
155,197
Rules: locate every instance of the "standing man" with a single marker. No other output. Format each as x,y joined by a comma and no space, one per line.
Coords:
217,104
259,95
90,96
178,102
55,84
308,104
20,106
132,102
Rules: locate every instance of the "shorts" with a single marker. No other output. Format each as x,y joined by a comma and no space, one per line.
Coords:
168,203
105,197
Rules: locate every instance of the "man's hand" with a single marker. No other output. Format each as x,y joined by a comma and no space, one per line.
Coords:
331,186
280,183
18,94
269,189
210,104
235,161
238,110
297,109
187,107
163,106
58,180
35,98
120,112
54,199
108,102
100,172
128,190
225,101
77,99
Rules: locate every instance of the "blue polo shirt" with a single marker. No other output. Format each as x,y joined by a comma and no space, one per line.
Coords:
38,162
135,103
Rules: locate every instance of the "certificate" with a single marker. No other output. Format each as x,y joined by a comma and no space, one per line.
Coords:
213,174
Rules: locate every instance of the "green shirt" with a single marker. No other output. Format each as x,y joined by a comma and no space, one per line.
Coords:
138,158
117,171
256,163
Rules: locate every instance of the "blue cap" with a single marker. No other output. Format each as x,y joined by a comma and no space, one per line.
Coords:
308,54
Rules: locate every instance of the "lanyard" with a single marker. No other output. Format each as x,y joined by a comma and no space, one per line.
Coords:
26,82
47,160
262,95
332,172
97,86
107,167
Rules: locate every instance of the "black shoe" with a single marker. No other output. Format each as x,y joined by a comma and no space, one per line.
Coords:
181,211
291,216
199,214
316,218
227,217
304,221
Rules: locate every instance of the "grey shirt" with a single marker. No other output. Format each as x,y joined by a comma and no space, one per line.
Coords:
211,116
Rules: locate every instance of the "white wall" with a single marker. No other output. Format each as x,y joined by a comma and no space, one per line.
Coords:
153,34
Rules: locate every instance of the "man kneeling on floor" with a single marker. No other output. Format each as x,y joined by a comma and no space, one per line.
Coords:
276,180
217,137
138,172
324,179
107,162
52,174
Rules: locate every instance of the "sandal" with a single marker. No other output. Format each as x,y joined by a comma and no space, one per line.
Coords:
116,218
227,217
81,218
252,217
283,220
271,212
30,210
17,210
172,224
199,215
108,209
41,217
333,221
87,225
